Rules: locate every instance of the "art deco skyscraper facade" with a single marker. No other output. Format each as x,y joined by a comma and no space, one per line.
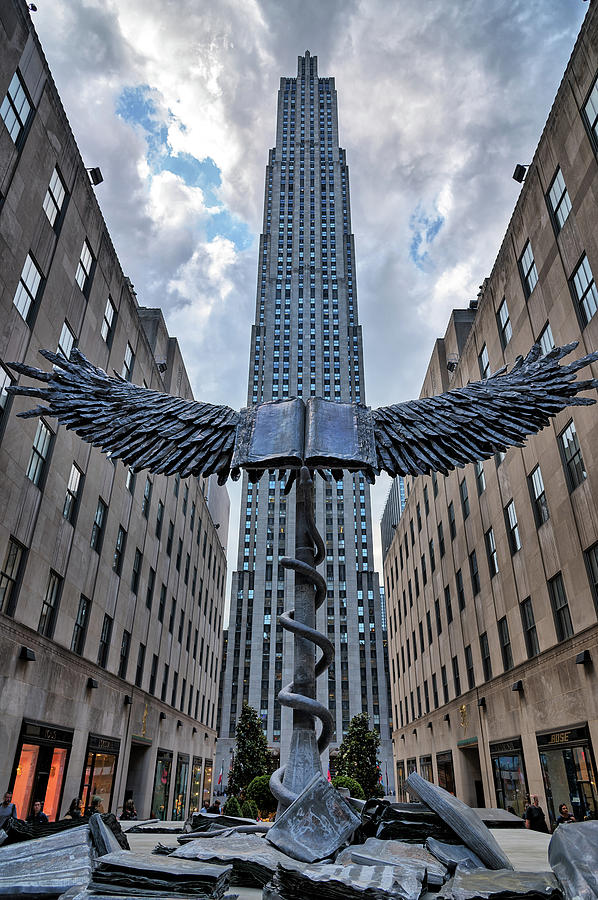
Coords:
306,341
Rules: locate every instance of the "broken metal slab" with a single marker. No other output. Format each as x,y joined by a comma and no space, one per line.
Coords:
501,884
142,873
104,839
317,824
380,852
465,823
46,866
253,859
453,855
334,882
573,857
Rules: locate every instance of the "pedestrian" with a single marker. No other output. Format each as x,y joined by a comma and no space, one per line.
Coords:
129,811
7,809
215,807
534,817
75,809
38,816
564,815
96,806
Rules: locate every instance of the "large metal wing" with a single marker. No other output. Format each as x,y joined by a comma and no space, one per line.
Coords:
473,422
145,429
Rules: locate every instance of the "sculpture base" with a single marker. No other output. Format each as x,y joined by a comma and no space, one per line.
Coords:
303,763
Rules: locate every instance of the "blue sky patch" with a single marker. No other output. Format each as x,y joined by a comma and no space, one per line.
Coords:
425,228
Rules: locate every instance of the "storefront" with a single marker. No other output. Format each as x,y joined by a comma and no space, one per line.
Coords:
40,767
425,768
161,785
195,803
99,773
569,772
401,792
207,783
510,780
411,766
181,783
446,771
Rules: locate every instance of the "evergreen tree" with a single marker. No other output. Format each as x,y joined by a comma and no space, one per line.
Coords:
358,756
251,751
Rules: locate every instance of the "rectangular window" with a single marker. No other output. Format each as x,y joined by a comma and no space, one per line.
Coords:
84,268
585,291
153,675
80,629
444,680
469,667
512,527
105,638
28,288
538,496
130,482
448,605
460,589
464,498
140,665
162,603
558,200
164,683
452,523
151,581
591,558
147,497
505,329
119,550
491,551
527,270
485,653
71,500
136,573
435,691
575,470
480,478
474,572
590,111
456,676
560,608
170,538
546,339
16,108
484,362
54,199
128,363
159,519
5,382
39,453
47,619
99,522
529,628
441,546
125,646
505,643
66,342
109,321
438,617
10,576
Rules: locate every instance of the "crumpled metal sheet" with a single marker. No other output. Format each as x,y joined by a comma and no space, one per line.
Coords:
333,882
142,873
104,839
317,824
573,857
466,823
501,884
253,859
46,866
453,855
377,852
407,822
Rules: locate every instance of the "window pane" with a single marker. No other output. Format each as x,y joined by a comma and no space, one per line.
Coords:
29,282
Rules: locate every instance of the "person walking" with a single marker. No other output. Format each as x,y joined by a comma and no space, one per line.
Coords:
535,819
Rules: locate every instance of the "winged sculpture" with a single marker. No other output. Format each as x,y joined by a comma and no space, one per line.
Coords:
147,429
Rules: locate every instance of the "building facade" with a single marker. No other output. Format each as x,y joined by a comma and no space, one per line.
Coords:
111,582
393,510
306,341
492,575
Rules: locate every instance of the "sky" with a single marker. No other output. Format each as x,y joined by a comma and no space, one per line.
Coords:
175,101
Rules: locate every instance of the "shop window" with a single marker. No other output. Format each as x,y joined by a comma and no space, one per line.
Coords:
97,783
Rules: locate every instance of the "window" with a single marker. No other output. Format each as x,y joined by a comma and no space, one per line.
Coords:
590,111
28,288
438,617
109,321
151,581
538,495
54,199
66,341
505,643
464,498
491,551
84,268
558,200
546,339
130,482
71,500
159,519
39,453
105,637
486,661
475,575
164,683
441,546
456,676
99,522
170,538
140,665
147,496
560,608
575,470
448,605
119,550
591,558
444,679
527,270
80,629
505,329
529,628
153,674
469,667
10,576
16,108
460,589
5,382
128,363
512,527
136,573
480,478
47,619
585,291
125,646
452,523
484,362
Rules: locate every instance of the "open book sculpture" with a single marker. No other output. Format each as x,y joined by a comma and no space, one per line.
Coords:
150,430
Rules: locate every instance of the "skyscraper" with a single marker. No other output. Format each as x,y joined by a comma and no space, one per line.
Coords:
306,341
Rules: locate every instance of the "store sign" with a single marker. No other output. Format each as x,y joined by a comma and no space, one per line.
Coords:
444,756
37,731
501,748
99,744
557,738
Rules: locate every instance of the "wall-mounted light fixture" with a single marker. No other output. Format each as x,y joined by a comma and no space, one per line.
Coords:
447,718
482,702
128,699
518,686
162,716
519,173
95,175
27,654
584,658
92,683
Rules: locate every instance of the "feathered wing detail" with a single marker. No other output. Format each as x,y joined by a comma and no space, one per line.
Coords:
145,429
473,422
